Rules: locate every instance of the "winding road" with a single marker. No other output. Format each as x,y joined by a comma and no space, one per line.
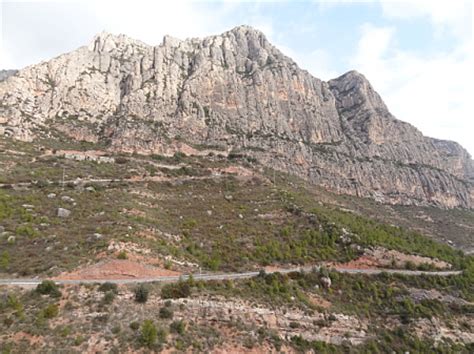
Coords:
221,276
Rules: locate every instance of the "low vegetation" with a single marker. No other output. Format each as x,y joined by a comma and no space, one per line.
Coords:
141,293
215,222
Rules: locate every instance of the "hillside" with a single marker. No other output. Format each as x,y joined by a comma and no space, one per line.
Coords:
129,216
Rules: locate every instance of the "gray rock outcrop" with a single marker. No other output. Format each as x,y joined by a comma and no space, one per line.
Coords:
238,91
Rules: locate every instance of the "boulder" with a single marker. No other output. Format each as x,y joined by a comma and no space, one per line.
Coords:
63,213
326,282
66,198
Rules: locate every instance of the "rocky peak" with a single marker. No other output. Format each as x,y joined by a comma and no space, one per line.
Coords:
105,42
353,89
169,41
364,113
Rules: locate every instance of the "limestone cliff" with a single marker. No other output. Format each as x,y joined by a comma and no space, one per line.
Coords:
238,91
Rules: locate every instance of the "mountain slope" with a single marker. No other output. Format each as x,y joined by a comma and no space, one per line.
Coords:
238,92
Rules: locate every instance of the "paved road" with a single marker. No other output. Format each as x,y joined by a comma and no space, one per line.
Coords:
223,276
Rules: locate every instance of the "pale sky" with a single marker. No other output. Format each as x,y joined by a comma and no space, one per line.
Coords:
418,55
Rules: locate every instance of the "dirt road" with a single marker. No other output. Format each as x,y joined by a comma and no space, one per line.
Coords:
224,276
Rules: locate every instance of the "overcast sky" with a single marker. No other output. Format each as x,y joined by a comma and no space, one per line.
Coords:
418,54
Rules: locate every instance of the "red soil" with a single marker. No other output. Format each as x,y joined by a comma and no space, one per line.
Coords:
117,269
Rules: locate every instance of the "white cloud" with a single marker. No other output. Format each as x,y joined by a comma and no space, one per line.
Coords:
454,16
434,93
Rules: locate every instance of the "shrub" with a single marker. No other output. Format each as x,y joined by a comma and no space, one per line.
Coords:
48,287
178,156
213,263
15,304
141,293
109,297
4,260
26,230
50,311
116,329
78,340
166,313
148,334
176,290
410,265
178,327
294,324
121,160
134,325
122,255
105,287
168,264
41,183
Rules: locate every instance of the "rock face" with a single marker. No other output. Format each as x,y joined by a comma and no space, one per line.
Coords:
237,91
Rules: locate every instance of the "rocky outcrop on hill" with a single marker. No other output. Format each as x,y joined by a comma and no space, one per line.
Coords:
238,91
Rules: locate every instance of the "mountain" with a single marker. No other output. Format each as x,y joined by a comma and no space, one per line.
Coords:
136,167
239,93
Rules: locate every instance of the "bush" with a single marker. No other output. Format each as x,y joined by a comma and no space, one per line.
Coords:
294,324
177,327
134,325
15,304
121,160
78,340
166,313
122,255
148,334
410,265
109,297
50,311
141,293
175,291
4,260
168,264
105,287
178,156
116,329
48,287
26,230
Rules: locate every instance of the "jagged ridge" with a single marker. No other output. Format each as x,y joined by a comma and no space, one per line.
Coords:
236,90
